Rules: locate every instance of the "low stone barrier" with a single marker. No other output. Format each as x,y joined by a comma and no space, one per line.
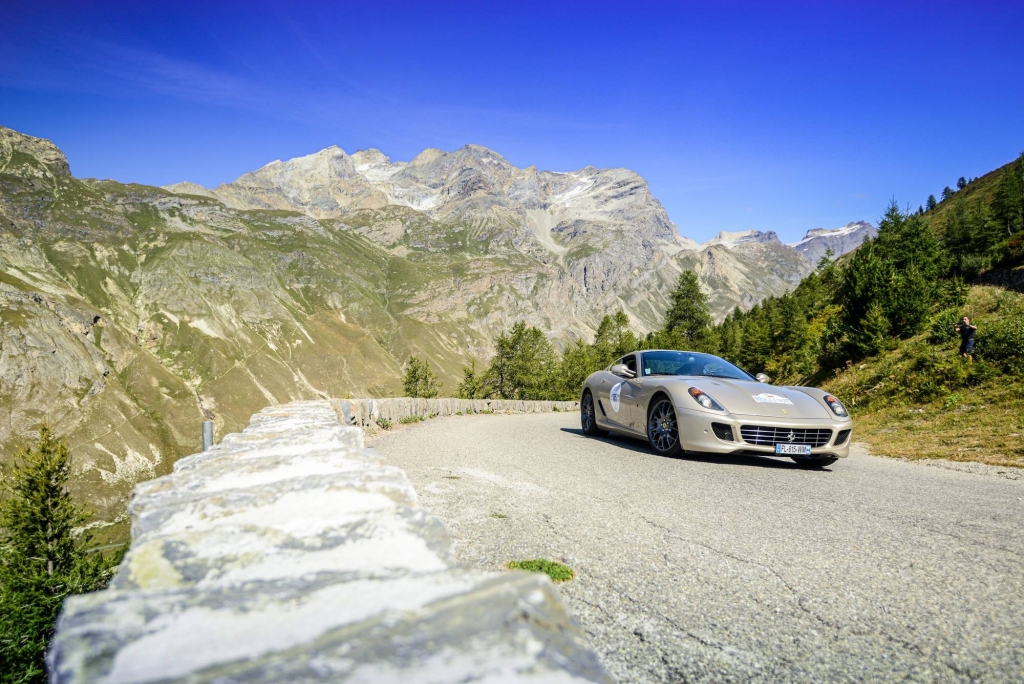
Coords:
290,553
369,414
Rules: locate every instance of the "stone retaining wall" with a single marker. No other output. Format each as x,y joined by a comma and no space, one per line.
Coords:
290,553
369,414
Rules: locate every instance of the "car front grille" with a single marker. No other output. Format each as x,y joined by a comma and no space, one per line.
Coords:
722,431
770,436
841,437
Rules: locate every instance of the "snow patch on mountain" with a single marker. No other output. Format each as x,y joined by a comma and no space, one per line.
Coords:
818,241
741,237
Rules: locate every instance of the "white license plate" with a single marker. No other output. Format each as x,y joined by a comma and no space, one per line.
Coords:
793,449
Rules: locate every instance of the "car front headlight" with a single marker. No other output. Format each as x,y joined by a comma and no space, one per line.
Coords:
836,406
704,399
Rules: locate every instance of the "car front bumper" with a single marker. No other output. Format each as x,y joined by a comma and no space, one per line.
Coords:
697,433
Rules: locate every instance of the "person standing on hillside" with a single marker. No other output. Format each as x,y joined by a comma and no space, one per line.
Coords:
967,332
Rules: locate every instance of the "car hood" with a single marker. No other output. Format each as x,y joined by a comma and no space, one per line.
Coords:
751,398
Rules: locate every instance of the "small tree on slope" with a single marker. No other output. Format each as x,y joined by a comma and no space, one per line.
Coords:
472,385
420,379
42,559
687,316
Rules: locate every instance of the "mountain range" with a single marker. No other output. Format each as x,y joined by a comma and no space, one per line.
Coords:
131,312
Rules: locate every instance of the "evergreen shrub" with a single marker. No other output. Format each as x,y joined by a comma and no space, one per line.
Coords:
44,555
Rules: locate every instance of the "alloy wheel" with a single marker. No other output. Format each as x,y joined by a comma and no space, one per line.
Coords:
662,429
587,412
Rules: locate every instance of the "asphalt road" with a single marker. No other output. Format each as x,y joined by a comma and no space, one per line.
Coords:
702,569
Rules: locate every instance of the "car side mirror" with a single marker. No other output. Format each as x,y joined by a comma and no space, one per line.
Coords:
622,370
761,377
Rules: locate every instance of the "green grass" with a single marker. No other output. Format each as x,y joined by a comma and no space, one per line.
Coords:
499,516
558,572
383,423
411,419
984,187
451,477
923,401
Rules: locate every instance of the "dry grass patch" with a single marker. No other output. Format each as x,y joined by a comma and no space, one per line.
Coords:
984,424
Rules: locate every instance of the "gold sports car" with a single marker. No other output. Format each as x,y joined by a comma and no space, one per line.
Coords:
691,402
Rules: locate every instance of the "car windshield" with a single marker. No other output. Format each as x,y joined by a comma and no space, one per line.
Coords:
691,363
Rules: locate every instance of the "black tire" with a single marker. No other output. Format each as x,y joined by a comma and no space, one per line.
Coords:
588,416
663,428
815,463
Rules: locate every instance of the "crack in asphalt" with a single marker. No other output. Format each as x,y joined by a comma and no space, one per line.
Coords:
837,629
797,596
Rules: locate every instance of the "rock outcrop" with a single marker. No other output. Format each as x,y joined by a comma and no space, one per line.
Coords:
818,241
289,553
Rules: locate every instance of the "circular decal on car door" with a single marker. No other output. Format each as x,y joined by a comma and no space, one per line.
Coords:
613,396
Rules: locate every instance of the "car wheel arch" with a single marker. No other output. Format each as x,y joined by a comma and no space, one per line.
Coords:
658,394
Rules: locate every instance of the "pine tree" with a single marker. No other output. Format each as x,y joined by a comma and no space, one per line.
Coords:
614,338
947,192
931,203
578,361
523,364
42,557
688,315
873,333
757,340
961,183
899,271
472,385
1008,205
420,380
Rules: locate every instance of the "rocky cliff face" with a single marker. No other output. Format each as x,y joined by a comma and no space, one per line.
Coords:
598,239
130,313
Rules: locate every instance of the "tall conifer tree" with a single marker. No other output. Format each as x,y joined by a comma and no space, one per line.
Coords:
43,556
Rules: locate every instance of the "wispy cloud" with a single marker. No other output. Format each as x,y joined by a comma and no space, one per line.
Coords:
73,64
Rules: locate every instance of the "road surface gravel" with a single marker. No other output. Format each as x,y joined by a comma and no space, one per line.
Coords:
739,569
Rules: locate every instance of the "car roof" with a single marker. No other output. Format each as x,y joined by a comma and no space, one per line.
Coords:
678,351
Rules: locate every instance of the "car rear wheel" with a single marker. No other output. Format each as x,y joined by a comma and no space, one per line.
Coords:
588,416
663,428
815,463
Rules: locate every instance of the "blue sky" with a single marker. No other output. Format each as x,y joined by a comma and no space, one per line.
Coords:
771,116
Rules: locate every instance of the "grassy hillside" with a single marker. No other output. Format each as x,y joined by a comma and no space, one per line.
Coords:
129,315
877,328
922,400
984,187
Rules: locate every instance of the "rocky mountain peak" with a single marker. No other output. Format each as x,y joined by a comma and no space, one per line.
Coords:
740,237
851,227
371,157
818,241
187,188
43,151
426,156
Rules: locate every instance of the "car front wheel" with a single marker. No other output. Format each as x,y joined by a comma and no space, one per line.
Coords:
588,416
663,428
